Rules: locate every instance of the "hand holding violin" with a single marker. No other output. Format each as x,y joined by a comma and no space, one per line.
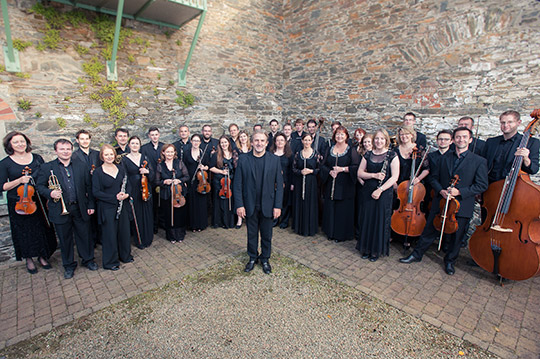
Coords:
144,171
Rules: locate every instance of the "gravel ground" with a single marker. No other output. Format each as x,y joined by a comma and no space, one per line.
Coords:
222,312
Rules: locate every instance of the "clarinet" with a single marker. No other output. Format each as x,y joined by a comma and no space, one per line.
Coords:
121,204
383,169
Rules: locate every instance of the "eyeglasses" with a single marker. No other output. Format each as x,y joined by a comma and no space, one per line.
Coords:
444,139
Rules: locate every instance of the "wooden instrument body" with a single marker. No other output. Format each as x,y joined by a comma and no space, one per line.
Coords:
520,249
408,219
25,205
145,192
203,186
450,225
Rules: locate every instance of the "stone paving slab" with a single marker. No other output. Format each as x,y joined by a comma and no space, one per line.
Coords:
470,304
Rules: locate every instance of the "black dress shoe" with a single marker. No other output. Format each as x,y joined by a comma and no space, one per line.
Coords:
409,259
250,265
373,258
47,265
92,266
31,271
267,269
115,268
238,226
131,260
449,268
365,255
68,274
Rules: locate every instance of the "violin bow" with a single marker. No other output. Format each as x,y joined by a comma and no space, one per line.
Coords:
476,134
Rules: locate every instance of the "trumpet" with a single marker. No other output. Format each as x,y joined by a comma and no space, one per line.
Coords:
54,184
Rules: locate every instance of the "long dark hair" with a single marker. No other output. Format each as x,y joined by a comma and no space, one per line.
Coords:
287,150
220,150
7,142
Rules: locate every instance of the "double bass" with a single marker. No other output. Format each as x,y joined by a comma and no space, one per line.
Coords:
508,241
408,219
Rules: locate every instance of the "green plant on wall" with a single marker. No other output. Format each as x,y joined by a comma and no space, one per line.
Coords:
112,100
52,38
93,68
24,105
21,45
62,123
184,99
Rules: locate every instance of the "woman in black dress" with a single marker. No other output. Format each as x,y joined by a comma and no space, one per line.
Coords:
221,165
31,235
137,165
171,171
358,144
111,190
196,161
338,174
305,200
281,148
379,169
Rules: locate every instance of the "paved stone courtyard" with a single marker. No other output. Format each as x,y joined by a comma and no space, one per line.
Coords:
470,304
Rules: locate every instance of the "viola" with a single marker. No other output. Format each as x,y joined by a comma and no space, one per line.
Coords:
204,186
144,183
408,219
225,182
508,241
25,205
445,221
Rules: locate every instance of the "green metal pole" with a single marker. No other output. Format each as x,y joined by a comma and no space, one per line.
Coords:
11,55
183,72
112,75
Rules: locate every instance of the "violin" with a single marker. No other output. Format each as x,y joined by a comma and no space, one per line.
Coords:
144,183
204,186
508,241
25,205
225,182
446,221
178,200
408,220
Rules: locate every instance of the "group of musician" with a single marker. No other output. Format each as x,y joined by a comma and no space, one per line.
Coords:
365,187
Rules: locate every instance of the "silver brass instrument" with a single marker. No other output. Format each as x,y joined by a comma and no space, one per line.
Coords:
54,184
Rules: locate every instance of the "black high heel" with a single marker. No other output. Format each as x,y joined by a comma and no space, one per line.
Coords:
31,271
47,265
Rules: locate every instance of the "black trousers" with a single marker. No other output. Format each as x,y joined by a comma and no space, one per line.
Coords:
430,234
81,228
116,241
257,223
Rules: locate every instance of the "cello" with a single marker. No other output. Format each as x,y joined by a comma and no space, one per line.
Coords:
508,241
408,219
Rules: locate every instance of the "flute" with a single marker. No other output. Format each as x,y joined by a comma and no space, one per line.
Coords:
121,204
304,182
334,182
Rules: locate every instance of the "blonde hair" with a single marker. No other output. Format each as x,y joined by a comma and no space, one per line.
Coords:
385,135
407,129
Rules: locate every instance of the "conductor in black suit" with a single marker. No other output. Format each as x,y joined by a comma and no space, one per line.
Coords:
473,180
258,196
500,151
75,192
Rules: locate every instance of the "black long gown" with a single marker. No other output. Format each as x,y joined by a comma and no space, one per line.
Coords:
338,215
30,234
305,211
174,231
143,209
223,211
286,167
375,215
197,203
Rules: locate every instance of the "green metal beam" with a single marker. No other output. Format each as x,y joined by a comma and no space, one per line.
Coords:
112,74
11,55
144,7
182,73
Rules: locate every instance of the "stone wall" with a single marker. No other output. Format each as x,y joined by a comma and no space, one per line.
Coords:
368,62
234,73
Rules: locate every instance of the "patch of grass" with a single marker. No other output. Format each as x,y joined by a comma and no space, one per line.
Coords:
93,68
62,123
131,58
159,76
184,99
112,100
23,75
81,50
38,114
2,68
76,18
21,45
24,104
81,80
41,46
178,43
52,38
171,82
156,91
55,19
104,28
129,82
87,119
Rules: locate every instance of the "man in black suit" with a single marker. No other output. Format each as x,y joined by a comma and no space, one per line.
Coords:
152,151
410,120
85,154
75,192
274,128
258,195
207,140
472,172
296,136
477,145
319,143
121,135
500,151
183,143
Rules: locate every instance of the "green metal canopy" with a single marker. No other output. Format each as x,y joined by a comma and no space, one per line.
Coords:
169,13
